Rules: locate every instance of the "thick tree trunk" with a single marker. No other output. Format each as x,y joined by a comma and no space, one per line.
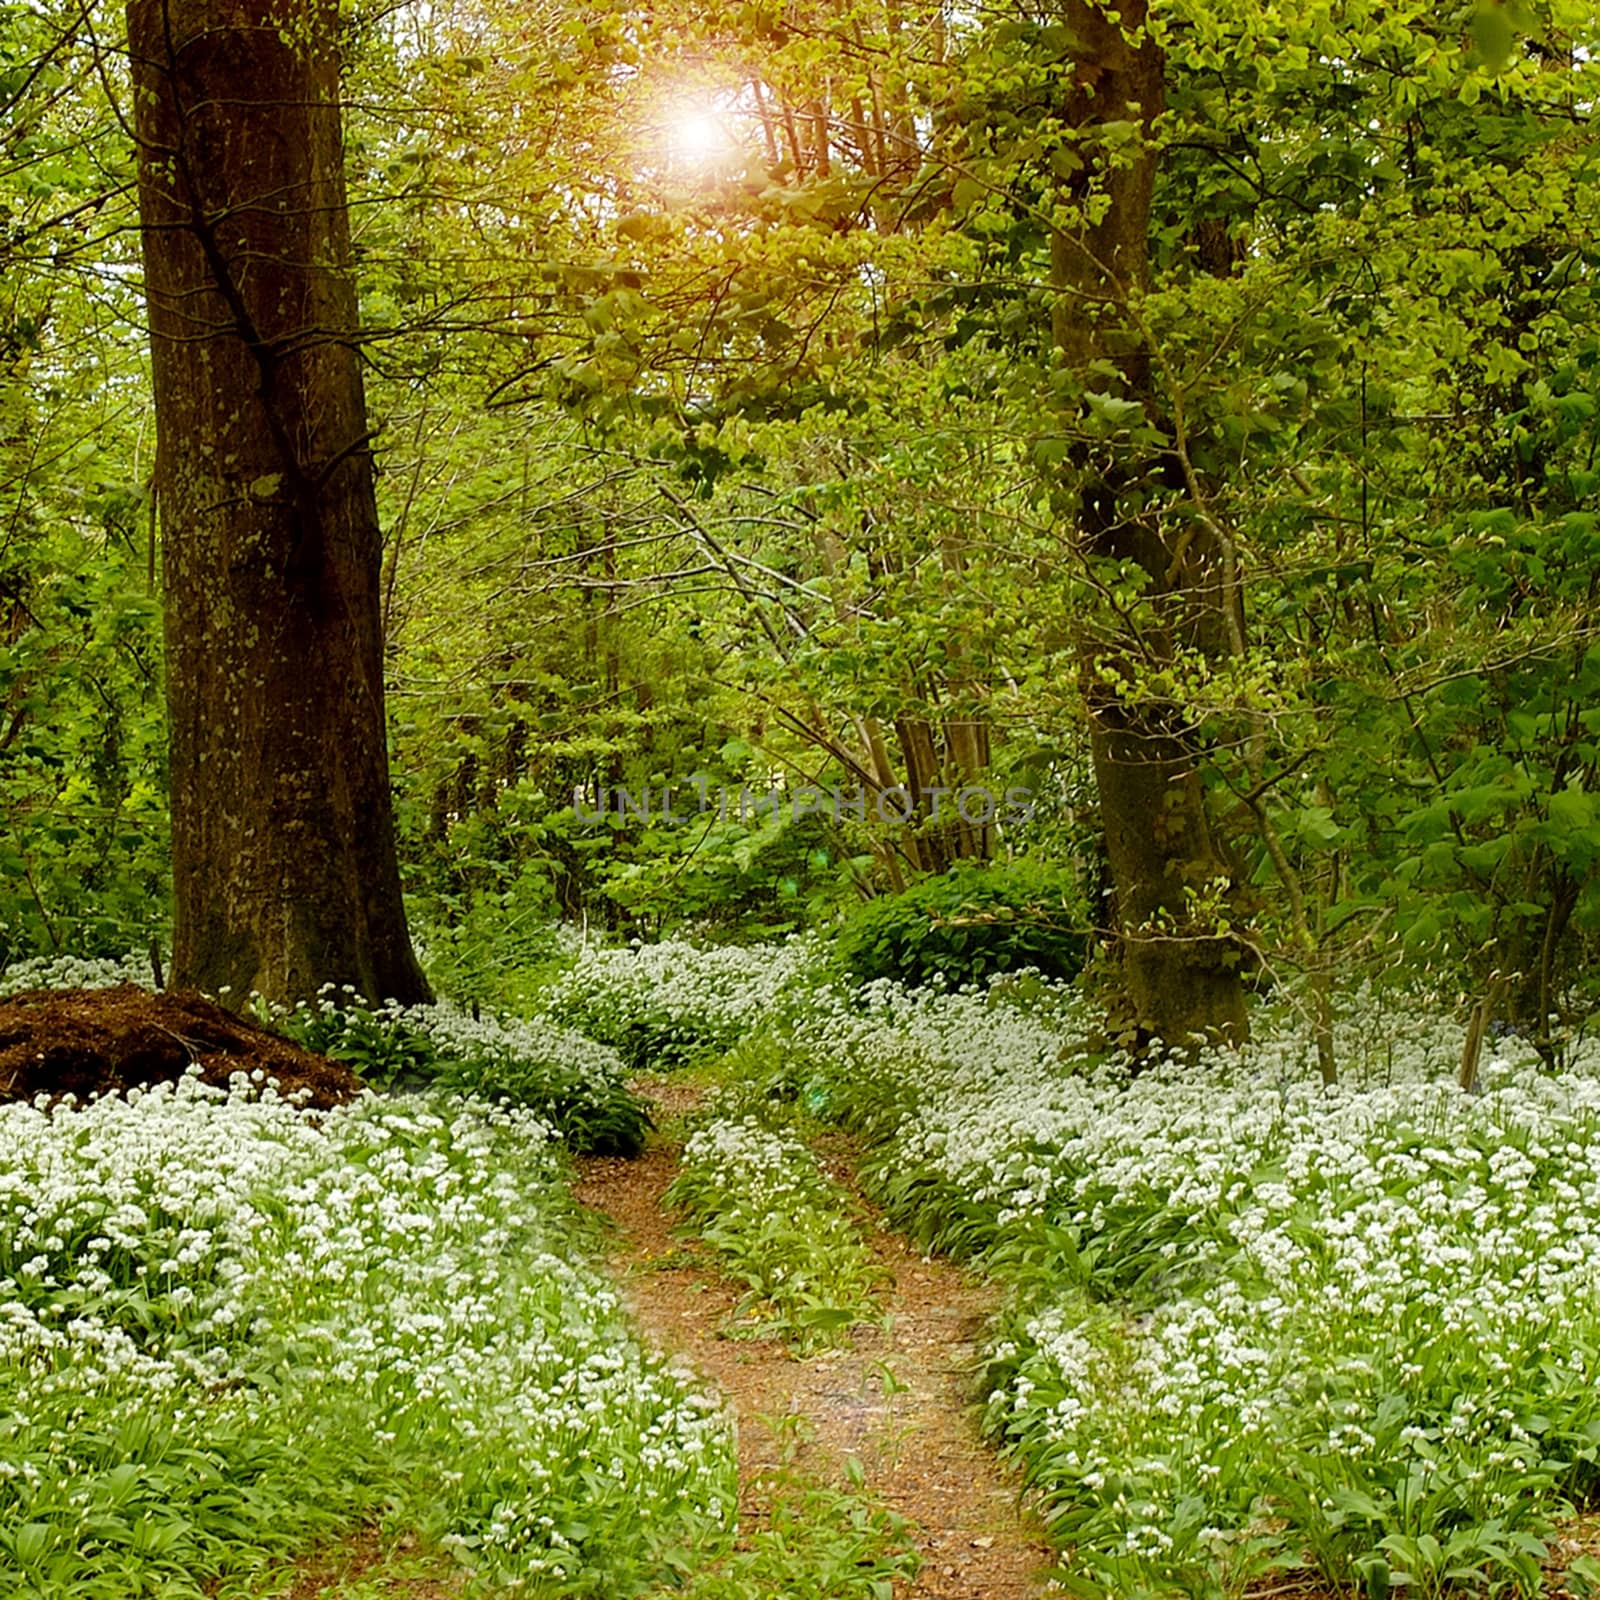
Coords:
284,863
1182,978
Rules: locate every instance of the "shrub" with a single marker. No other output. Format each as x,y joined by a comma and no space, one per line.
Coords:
963,926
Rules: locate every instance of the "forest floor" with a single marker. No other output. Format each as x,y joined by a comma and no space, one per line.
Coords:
366,1566
88,1042
887,1420
897,1399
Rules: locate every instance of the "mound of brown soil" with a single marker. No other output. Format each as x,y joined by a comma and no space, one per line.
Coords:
88,1042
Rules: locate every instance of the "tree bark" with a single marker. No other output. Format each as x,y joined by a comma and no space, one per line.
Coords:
1182,977
284,868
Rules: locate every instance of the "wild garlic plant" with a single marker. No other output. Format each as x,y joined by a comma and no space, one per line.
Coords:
226,1325
665,1004
780,1224
73,972
576,1084
1261,1322
1258,1323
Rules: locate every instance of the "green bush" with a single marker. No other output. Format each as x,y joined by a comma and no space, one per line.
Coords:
963,926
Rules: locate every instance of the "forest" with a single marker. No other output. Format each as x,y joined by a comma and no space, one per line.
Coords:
799,798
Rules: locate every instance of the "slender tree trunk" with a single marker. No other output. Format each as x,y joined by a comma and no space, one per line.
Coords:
1182,978
284,866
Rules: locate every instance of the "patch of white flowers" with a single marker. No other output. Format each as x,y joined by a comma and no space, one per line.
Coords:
574,1082
661,1002
761,1199
755,1166
73,972
458,1035
1247,1287
396,1270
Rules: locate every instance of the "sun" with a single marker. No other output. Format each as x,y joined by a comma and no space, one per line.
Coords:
698,135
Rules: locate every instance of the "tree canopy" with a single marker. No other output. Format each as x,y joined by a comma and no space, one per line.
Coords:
1183,416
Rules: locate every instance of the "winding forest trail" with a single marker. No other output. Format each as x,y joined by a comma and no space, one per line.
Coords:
915,1436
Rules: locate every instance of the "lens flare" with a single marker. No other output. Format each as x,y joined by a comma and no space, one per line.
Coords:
698,135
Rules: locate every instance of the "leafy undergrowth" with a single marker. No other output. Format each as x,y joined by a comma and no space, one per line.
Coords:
230,1330
576,1084
779,1224
572,1082
1259,1327
677,1003
813,1542
227,1326
816,1543
1259,1324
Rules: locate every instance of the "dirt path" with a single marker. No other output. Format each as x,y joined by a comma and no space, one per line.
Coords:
918,1443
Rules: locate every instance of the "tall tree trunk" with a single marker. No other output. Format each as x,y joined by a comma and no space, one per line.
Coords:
284,865
1182,979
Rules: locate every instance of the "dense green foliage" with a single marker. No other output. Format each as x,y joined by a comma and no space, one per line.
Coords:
966,925
82,809
776,481
83,828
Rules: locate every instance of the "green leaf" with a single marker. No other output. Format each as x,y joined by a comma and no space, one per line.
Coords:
1317,827
967,193
31,1543
1583,1577
1493,36
1115,412
1572,810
